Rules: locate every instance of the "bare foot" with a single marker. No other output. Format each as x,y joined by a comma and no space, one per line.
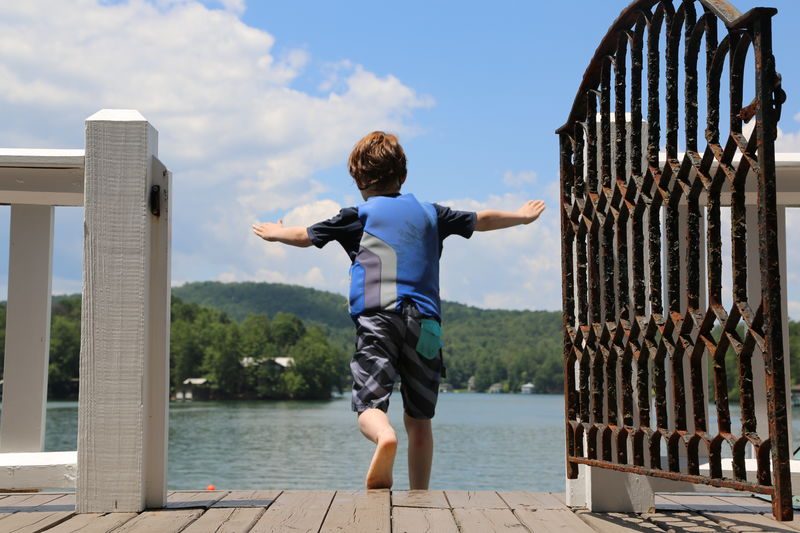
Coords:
379,475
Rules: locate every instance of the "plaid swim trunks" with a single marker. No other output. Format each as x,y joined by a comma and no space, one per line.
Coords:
385,350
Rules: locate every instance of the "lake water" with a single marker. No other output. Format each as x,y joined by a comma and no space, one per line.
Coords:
483,442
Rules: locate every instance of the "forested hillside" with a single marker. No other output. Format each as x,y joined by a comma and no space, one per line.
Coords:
495,346
236,357
216,326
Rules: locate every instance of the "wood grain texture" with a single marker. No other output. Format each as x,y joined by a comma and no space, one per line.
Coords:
32,522
532,500
194,499
226,520
420,498
552,521
617,522
469,499
295,511
487,521
750,522
157,316
698,502
248,498
113,422
93,523
422,520
358,511
167,521
26,502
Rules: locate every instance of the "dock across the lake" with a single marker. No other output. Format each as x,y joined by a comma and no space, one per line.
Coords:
432,511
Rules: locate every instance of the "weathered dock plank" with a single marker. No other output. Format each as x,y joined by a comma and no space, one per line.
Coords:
359,511
552,521
194,499
31,513
295,511
617,522
434,499
166,521
423,520
751,503
26,502
682,521
248,498
93,523
532,500
471,520
469,499
749,522
33,522
226,520
697,502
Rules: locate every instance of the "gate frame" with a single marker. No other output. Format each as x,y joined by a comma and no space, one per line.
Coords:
618,332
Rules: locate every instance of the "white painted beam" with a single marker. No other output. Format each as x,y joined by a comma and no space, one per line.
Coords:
118,407
157,361
27,347
41,176
41,158
34,471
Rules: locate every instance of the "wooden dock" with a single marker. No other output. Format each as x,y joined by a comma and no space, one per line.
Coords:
383,511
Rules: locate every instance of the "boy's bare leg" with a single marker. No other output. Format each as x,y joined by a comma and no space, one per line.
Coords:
420,452
374,424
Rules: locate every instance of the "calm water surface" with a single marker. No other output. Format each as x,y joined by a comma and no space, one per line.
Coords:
497,442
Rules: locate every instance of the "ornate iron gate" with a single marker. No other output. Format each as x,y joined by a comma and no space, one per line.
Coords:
632,322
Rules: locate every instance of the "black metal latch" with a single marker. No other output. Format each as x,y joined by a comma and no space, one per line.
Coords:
155,200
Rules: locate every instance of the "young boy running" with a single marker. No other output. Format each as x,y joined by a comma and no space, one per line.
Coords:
394,242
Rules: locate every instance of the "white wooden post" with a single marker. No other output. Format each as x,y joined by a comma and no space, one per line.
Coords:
27,348
124,367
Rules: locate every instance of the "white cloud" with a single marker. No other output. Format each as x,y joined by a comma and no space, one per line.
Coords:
515,268
519,179
243,142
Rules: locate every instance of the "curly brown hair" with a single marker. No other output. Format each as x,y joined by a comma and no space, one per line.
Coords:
378,161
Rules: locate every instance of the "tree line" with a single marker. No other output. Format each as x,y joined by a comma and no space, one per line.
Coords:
234,344
237,358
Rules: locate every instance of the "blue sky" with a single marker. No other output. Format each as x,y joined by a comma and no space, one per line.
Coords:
258,103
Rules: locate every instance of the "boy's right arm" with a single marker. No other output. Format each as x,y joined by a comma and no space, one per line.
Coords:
277,232
491,219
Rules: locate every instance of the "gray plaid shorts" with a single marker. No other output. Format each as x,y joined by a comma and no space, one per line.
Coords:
385,350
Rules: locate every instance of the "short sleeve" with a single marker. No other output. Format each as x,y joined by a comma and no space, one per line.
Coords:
345,228
453,222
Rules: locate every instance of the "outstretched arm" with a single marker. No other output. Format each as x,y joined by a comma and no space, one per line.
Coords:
491,219
277,232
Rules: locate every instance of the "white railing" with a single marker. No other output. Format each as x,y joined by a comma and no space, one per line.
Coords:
120,464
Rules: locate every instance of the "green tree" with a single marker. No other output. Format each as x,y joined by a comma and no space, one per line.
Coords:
314,371
286,330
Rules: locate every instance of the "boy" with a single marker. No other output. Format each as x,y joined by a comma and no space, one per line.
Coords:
394,242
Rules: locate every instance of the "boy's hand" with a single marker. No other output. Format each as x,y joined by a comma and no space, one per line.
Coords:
268,231
531,210
276,232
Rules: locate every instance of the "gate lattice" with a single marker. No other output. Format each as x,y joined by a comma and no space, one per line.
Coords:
633,318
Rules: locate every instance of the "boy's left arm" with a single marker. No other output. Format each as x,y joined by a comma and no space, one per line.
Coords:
491,219
277,232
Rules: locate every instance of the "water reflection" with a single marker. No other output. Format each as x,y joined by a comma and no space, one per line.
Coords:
483,442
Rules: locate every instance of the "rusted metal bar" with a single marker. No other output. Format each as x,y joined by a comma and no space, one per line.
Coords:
613,244
770,96
677,476
568,293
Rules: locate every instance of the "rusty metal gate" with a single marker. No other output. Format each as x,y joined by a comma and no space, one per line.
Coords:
642,252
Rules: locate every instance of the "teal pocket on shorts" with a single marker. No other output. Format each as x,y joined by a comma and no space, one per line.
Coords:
430,338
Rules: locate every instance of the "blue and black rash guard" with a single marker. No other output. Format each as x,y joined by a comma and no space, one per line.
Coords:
394,243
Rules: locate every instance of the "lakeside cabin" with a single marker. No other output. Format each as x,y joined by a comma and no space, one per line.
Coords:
527,388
